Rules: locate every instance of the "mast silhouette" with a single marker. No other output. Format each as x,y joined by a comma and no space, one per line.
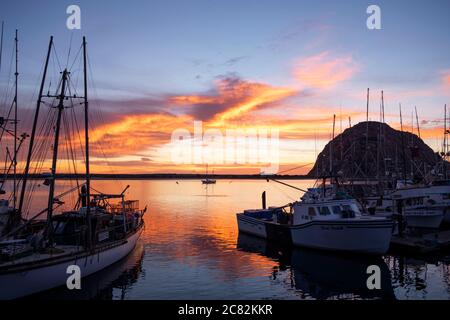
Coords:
33,130
16,76
51,193
86,133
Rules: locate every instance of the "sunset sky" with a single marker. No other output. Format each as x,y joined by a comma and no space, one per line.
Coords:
158,66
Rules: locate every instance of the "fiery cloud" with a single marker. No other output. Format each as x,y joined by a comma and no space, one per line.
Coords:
232,99
134,133
323,70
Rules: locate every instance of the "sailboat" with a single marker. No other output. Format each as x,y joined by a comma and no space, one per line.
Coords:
208,180
101,230
9,216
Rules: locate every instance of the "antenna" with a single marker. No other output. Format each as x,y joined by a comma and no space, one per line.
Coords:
1,45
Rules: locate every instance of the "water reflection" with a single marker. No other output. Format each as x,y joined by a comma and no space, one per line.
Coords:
191,240
112,283
322,275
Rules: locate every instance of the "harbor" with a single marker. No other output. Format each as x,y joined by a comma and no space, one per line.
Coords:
180,156
196,250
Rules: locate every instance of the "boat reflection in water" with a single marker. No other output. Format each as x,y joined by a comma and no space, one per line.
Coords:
110,283
320,274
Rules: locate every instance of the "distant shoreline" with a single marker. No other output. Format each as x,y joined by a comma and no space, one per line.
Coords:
169,176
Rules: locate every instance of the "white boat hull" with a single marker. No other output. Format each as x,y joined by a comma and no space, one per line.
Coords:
23,283
371,236
252,226
424,219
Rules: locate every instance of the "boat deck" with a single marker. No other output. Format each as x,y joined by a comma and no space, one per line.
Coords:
34,257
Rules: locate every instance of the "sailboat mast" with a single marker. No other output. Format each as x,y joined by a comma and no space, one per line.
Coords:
331,146
403,145
444,147
51,192
86,136
33,130
417,121
16,75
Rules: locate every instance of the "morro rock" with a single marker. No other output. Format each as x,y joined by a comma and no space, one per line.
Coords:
374,149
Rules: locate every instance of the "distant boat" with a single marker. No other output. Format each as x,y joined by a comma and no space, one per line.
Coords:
208,180
321,220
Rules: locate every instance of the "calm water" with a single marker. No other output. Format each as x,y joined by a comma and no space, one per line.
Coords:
191,249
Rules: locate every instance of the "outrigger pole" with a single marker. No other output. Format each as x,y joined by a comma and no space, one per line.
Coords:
33,131
16,75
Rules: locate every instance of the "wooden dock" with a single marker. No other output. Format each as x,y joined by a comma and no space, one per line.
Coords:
427,243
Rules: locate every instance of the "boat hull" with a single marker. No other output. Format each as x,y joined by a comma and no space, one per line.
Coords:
24,282
424,219
370,236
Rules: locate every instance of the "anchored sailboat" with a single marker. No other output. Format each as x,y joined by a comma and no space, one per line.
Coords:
207,180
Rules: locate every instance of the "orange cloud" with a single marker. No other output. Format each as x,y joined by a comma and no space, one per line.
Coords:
233,99
323,70
135,133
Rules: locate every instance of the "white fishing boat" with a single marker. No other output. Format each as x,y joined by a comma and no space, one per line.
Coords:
423,218
425,206
328,222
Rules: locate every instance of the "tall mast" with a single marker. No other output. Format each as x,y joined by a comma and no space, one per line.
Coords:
331,147
16,75
33,131
86,136
444,147
51,192
417,121
403,146
1,45
366,151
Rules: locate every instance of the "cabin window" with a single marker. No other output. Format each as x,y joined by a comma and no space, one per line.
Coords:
324,211
354,207
311,211
337,210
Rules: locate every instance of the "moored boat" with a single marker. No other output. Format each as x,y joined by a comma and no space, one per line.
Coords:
100,230
330,223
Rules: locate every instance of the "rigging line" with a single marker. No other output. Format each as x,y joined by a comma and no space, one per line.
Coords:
40,151
76,57
70,49
67,142
299,167
98,110
56,56
281,191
